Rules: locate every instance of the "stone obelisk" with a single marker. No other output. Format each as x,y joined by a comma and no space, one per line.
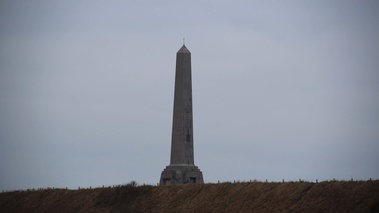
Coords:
182,168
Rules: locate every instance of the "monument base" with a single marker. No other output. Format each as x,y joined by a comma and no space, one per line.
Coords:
181,174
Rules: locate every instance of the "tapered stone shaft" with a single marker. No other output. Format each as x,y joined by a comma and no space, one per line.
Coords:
182,132
182,168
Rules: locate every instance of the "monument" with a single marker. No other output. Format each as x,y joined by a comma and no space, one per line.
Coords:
182,168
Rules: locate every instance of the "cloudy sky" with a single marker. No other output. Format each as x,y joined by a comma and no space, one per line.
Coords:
281,90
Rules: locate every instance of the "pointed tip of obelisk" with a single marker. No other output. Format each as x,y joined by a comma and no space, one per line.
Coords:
184,49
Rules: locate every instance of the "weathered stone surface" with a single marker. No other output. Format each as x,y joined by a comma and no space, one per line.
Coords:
182,168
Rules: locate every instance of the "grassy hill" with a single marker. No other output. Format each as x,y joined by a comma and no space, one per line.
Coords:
333,196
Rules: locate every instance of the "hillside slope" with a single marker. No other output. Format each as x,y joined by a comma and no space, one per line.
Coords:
336,196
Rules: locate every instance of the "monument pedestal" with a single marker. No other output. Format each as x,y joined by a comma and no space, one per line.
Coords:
180,174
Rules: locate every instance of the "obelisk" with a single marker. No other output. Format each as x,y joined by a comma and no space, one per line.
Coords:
182,168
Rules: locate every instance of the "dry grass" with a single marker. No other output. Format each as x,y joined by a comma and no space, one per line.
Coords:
336,196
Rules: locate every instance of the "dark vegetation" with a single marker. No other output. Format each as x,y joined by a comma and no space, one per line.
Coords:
328,196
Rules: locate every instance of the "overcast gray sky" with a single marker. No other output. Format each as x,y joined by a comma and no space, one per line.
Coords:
281,90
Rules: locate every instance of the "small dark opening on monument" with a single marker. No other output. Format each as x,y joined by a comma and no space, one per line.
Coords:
188,136
193,179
